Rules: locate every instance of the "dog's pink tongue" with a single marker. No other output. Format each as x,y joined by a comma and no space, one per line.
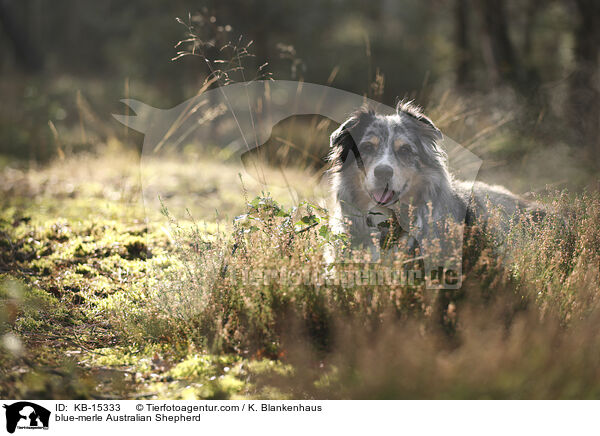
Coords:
383,196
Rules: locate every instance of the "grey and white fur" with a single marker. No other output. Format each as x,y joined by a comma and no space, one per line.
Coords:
381,162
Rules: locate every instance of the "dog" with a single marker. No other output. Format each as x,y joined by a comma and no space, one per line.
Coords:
384,166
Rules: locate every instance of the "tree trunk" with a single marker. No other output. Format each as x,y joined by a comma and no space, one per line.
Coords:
584,88
26,53
505,62
463,55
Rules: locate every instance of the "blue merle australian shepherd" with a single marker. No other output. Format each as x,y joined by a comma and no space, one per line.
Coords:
384,165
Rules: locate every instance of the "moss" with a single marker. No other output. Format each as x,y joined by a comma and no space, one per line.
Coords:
59,231
203,366
119,356
137,249
82,250
35,308
43,267
85,271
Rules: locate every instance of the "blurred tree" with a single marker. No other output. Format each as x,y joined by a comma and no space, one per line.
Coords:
463,49
502,57
25,50
533,46
584,86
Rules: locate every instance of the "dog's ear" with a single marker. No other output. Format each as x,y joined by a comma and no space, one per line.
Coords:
437,134
343,140
352,128
429,129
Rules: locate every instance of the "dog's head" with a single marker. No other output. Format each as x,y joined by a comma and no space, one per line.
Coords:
390,155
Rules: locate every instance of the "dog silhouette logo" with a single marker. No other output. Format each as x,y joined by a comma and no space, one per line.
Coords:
240,118
26,415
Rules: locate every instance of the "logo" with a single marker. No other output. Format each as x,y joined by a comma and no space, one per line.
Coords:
26,415
239,119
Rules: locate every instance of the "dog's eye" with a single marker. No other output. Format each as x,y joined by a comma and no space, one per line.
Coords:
367,147
401,147
370,143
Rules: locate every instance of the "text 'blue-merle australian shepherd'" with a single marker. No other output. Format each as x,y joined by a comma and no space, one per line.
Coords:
385,165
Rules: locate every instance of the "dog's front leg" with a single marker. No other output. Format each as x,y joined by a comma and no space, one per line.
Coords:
365,235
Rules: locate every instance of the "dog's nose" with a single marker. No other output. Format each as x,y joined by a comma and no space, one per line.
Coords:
383,173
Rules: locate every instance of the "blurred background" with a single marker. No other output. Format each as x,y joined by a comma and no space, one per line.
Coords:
517,82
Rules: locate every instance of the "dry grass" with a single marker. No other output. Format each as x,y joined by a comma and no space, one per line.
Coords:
521,326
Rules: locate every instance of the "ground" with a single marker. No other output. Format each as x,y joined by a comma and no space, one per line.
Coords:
95,303
74,240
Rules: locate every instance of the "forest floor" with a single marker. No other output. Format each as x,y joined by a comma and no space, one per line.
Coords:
73,240
93,305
